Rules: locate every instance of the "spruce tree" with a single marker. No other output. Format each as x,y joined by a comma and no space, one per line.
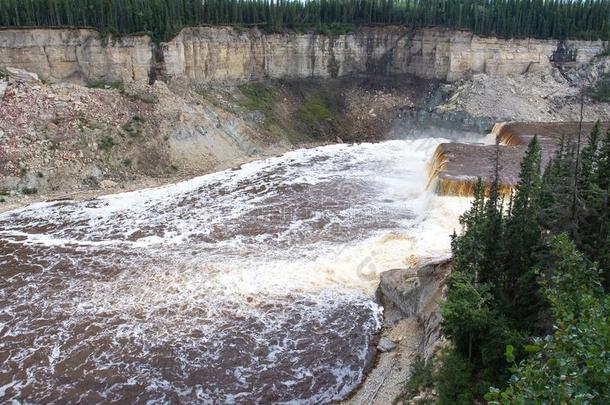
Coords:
600,232
492,228
588,156
515,18
524,235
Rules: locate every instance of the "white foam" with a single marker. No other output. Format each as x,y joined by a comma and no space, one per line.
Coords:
272,251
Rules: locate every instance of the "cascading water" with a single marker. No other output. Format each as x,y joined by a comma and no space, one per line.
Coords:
247,285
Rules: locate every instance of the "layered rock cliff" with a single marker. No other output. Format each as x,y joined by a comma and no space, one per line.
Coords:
76,55
219,54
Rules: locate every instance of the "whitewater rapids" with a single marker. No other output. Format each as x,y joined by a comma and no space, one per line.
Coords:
252,285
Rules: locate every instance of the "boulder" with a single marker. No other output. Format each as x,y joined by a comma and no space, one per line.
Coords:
108,184
386,345
22,75
411,289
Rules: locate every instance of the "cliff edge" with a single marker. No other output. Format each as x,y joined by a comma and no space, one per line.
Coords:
204,55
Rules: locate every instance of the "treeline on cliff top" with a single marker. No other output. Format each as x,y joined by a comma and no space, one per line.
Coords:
528,300
578,19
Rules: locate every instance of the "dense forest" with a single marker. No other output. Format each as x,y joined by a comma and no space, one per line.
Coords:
583,19
528,303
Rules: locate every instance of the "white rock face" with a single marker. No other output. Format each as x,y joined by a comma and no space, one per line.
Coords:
75,55
221,54
21,75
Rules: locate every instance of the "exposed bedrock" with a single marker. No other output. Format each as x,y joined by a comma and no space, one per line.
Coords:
412,328
76,55
416,293
221,54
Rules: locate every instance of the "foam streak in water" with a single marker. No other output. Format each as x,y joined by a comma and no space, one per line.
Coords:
248,285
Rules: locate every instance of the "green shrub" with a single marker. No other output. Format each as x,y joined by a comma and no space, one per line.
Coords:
314,111
90,181
421,376
420,379
29,190
259,96
454,380
102,84
134,126
571,366
106,143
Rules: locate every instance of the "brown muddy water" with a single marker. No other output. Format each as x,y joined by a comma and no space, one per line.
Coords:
253,285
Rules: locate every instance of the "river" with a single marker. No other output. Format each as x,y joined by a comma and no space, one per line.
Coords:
253,285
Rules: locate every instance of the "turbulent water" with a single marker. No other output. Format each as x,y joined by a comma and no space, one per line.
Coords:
247,285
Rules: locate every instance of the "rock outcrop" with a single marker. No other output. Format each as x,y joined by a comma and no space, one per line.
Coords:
76,55
204,55
412,328
417,294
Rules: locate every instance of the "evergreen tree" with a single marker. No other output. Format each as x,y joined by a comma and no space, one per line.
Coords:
570,366
588,156
492,231
524,236
164,18
487,310
600,200
557,189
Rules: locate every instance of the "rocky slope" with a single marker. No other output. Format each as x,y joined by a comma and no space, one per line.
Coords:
412,327
65,138
219,54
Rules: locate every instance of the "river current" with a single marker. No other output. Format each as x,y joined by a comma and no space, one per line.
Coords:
252,285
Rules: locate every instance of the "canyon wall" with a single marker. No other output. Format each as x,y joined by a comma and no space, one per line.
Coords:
221,54
76,55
